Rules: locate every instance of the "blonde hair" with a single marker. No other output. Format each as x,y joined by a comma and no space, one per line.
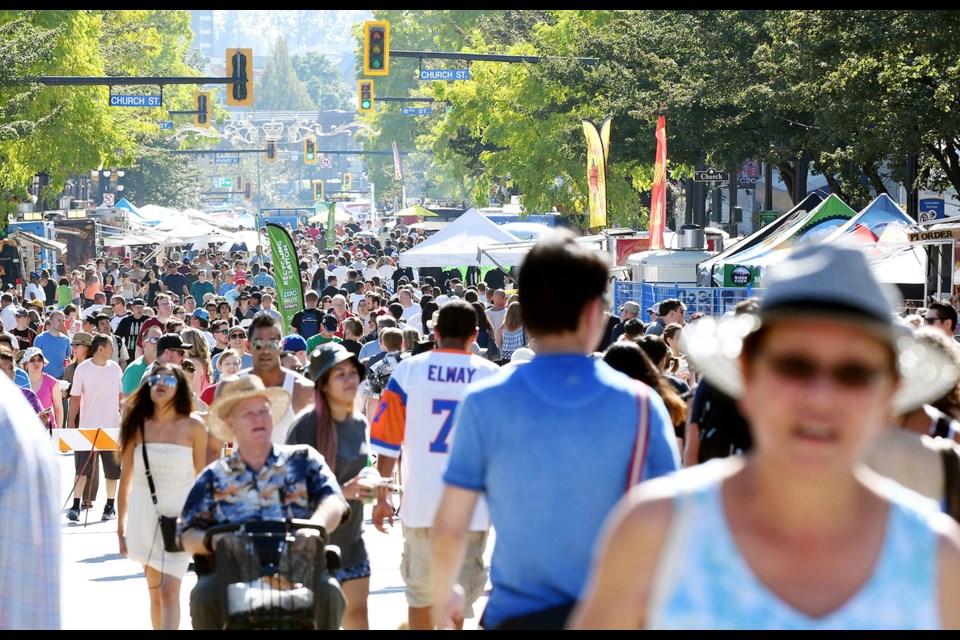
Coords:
199,348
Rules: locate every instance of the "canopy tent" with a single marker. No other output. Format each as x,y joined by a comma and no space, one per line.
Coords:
125,204
416,210
154,214
814,226
705,268
511,254
457,244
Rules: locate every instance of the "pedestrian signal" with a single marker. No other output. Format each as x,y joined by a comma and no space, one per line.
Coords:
318,189
347,182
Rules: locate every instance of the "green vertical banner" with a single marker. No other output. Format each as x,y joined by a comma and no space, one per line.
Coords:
286,272
331,224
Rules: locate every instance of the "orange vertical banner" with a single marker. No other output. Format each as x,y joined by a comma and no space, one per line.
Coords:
658,199
596,175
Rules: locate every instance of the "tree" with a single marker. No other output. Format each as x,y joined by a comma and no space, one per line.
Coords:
279,88
323,81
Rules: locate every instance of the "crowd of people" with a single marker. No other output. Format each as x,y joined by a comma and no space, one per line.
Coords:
601,449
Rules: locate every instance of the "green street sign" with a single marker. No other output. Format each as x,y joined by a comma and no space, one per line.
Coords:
226,183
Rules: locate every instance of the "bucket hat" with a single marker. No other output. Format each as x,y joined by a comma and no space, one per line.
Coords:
29,353
326,357
831,282
234,389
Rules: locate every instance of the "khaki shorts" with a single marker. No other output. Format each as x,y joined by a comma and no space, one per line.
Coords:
416,574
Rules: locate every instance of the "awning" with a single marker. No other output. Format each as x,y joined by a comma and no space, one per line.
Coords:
30,238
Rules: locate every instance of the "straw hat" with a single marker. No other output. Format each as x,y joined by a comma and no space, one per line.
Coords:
234,389
829,282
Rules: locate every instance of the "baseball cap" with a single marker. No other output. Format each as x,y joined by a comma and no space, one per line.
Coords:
240,281
654,308
21,312
171,341
138,301
201,313
34,275
330,322
630,306
186,261
294,343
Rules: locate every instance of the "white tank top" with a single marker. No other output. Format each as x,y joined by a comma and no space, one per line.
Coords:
280,429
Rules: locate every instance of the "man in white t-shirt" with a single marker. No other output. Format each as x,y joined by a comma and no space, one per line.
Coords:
405,297
95,397
34,291
416,417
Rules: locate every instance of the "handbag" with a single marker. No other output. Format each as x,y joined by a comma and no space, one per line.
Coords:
555,618
168,524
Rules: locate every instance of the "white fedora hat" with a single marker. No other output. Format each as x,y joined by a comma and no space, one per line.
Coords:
826,282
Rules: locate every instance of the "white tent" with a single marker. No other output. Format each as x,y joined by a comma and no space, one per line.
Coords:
456,245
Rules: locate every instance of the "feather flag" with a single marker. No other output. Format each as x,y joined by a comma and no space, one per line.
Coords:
658,199
596,172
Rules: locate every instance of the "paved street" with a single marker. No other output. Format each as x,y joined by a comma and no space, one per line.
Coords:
104,590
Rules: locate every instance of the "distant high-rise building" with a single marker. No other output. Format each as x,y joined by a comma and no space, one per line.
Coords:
201,21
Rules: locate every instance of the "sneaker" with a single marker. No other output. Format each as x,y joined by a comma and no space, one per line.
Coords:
73,515
108,514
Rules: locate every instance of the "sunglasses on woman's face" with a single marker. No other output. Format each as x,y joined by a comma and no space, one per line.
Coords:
167,380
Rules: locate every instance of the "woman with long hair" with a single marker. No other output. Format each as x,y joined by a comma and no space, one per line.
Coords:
45,386
224,313
199,354
150,287
49,287
510,335
158,419
627,357
339,432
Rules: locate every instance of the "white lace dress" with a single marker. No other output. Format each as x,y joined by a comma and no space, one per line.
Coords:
171,466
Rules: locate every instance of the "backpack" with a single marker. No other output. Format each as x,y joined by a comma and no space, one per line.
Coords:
722,428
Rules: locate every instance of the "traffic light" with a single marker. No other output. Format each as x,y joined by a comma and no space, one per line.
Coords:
247,190
271,150
365,91
240,67
310,151
238,184
201,104
376,48
318,189
347,182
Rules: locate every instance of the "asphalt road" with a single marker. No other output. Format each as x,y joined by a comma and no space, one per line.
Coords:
104,590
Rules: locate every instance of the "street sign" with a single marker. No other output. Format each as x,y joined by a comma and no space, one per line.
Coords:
416,111
326,161
444,74
119,100
227,160
108,199
166,124
931,209
711,175
225,183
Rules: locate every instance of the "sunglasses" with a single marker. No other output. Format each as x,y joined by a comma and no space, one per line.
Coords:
152,340
848,375
931,319
273,345
166,379
188,367
225,332
238,336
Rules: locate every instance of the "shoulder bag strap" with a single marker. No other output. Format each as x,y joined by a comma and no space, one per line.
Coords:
643,436
146,465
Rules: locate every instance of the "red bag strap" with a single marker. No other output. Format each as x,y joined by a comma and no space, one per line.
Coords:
643,436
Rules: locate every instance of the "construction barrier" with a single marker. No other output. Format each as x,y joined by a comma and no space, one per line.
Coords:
87,439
